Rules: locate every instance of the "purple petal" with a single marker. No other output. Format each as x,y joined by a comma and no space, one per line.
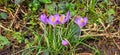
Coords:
81,19
77,21
68,16
64,42
43,18
85,19
53,20
50,20
80,22
56,16
62,19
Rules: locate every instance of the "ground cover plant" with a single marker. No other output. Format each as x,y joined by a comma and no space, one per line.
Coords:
59,27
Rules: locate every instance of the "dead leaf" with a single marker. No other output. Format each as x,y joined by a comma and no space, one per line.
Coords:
85,54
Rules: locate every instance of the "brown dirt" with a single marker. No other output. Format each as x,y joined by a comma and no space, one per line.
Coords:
104,45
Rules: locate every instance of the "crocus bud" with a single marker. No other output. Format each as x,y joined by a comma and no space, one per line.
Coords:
64,42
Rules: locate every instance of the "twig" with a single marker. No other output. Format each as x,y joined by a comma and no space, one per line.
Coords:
92,30
24,50
14,15
3,10
99,35
109,34
5,28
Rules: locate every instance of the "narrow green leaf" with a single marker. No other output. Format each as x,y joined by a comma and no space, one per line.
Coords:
3,15
3,41
112,11
46,53
45,1
18,1
76,31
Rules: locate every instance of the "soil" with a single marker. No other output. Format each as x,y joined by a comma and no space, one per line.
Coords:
106,46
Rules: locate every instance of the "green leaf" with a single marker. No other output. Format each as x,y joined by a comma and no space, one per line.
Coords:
76,31
61,5
46,53
71,7
51,8
45,1
18,36
3,41
106,1
92,4
111,11
110,19
101,5
3,15
18,1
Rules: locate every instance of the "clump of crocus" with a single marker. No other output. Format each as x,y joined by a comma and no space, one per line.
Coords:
55,19
81,22
64,42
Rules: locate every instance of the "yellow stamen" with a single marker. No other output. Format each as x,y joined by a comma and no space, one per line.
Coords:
82,20
53,19
61,18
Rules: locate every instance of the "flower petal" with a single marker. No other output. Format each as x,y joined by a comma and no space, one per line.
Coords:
62,19
43,18
80,22
67,15
64,42
77,21
56,16
53,20
85,19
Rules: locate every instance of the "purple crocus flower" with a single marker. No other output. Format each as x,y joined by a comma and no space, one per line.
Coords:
53,20
81,21
64,42
43,18
68,16
63,18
